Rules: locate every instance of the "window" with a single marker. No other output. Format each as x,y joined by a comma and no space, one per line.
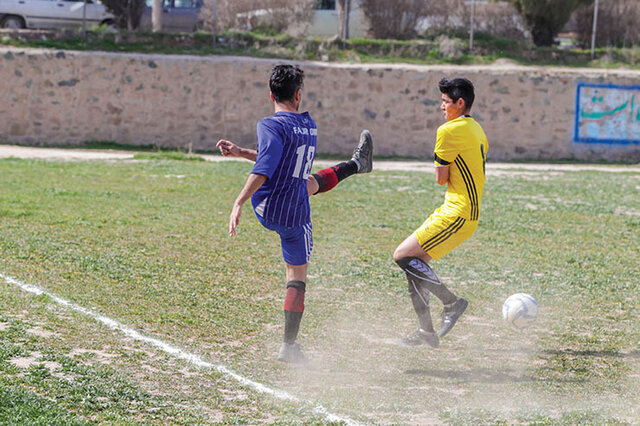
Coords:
326,4
187,4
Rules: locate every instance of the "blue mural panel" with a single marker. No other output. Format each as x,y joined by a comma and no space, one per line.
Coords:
607,114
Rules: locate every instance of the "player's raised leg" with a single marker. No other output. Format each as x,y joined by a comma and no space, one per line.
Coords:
361,162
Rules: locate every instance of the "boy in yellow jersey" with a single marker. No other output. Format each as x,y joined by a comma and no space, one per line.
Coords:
459,155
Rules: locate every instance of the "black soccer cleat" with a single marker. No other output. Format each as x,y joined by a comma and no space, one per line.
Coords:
363,154
291,353
450,315
421,337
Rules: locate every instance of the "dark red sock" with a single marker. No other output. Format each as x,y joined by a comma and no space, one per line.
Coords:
294,300
327,179
293,308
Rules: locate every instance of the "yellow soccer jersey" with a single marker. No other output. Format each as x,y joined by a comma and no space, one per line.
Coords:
462,145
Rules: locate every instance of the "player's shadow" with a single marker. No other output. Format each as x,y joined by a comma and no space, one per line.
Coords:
485,375
596,354
506,375
635,354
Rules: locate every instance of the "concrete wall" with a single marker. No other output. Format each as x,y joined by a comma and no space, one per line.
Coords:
54,97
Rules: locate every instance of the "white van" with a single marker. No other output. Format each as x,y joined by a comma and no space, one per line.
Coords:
177,16
53,14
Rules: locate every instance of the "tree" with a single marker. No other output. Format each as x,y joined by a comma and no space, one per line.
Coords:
344,8
156,15
545,18
127,12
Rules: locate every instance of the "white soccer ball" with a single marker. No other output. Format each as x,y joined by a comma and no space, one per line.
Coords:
520,310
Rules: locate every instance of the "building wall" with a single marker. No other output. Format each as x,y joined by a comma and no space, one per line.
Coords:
55,97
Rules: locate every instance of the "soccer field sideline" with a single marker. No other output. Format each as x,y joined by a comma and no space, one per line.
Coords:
23,152
175,351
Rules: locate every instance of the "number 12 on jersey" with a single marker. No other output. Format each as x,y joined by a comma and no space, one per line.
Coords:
303,164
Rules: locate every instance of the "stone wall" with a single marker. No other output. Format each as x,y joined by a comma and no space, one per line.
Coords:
54,97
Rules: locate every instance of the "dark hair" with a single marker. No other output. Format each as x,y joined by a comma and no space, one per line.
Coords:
284,81
457,88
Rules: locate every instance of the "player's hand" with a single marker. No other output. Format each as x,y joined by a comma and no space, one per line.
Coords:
234,219
228,148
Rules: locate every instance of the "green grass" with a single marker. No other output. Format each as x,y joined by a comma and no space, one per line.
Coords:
168,155
54,387
487,48
145,242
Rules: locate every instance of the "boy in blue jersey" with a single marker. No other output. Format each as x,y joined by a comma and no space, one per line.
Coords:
280,185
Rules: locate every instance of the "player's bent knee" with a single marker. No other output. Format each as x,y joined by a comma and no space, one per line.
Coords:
402,262
397,254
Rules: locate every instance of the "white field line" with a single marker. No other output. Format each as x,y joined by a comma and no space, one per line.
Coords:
176,352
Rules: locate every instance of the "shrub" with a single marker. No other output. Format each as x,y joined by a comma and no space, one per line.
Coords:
393,19
500,19
266,15
617,23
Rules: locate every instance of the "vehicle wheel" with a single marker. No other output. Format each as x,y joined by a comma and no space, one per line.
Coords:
13,22
109,26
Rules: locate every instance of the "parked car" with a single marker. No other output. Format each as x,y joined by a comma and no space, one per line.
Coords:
177,16
53,14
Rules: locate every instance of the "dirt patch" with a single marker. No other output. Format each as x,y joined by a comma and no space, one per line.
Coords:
33,359
627,211
12,151
26,361
498,169
37,331
104,357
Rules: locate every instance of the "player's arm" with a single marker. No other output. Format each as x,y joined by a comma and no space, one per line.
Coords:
442,175
254,182
444,153
266,161
230,149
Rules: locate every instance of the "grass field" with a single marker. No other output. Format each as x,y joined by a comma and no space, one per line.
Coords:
487,48
145,242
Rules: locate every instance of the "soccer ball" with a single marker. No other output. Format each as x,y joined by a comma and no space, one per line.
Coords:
520,310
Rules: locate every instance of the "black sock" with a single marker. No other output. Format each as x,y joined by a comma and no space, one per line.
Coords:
291,325
328,178
420,299
419,270
346,169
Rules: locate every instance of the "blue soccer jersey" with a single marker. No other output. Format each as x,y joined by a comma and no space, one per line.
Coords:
286,149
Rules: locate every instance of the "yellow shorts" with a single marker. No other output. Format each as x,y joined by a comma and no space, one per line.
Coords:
440,234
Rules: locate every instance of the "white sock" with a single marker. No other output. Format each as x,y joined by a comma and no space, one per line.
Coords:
357,163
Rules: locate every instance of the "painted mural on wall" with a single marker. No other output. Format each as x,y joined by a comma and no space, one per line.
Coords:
608,114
